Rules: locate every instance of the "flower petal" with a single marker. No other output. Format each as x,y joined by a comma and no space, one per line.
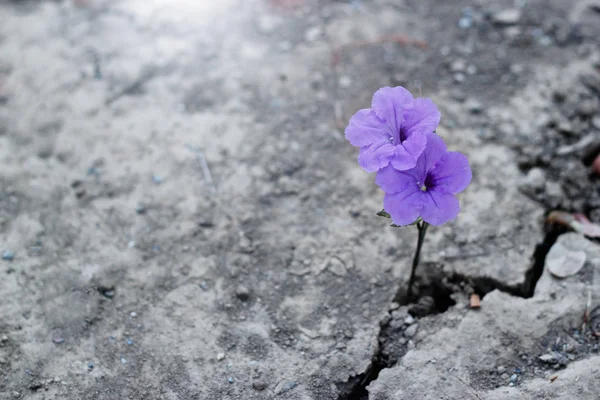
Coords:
365,129
404,207
438,208
389,104
423,117
451,174
402,159
434,151
391,181
376,156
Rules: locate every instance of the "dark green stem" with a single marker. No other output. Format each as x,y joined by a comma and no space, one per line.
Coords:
422,227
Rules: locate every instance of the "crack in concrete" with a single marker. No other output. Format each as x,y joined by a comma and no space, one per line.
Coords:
439,288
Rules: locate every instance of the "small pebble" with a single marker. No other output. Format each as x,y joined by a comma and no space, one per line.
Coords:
411,330
123,361
204,285
108,292
394,306
157,179
129,342
507,17
345,81
289,386
133,314
220,356
242,293
536,178
8,255
260,385
409,320
501,369
230,379
4,338
475,301
458,65
140,209
474,106
465,22
91,365
514,378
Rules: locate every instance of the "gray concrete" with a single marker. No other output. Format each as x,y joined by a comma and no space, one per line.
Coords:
188,222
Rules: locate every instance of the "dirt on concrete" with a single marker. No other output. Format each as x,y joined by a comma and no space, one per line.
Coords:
182,218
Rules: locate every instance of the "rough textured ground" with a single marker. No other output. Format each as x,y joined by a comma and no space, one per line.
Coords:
188,222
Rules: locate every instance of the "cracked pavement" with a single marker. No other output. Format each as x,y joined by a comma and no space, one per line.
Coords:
188,222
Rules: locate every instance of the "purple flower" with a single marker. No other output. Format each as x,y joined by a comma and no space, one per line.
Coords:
428,190
394,131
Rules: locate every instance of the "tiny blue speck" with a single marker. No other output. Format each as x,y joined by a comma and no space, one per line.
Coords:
8,255
157,179
129,342
123,361
464,23
230,380
91,365
93,171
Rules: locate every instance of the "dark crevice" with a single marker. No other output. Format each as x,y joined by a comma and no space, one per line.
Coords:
553,231
432,294
432,297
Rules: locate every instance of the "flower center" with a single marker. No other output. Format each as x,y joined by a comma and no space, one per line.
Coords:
423,188
429,182
398,137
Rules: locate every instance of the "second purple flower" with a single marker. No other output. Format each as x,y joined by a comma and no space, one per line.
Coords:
429,190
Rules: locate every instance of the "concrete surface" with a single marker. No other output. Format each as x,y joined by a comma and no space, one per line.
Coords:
188,222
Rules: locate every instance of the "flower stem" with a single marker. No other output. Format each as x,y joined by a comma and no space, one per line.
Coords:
422,227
